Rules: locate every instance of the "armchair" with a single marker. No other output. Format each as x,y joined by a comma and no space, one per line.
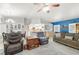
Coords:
43,38
12,43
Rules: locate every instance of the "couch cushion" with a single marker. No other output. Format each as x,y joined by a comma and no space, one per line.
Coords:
58,35
43,42
43,38
41,34
69,37
76,36
69,34
14,41
14,37
62,35
13,47
14,34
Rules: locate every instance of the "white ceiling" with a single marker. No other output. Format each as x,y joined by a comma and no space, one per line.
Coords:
28,10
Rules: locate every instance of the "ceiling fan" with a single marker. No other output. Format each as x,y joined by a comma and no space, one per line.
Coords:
46,6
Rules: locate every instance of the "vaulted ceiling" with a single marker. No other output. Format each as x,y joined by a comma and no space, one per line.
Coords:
29,10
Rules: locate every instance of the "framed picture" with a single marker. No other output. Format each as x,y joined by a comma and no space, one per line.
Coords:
7,26
15,26
22,26
19,26
48,27
11,26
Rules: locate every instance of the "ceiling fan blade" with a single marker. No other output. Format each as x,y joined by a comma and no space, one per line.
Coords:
35,3
41,8
55,5
43,5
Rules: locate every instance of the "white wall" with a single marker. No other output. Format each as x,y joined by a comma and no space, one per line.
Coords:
2,28
17,20
64,11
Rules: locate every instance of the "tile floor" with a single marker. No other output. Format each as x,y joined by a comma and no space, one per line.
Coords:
53,48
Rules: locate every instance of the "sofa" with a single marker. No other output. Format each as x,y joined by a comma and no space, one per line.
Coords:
13,43
68,39
43,39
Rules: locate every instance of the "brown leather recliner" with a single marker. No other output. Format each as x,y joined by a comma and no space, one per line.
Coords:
12,43
33,43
